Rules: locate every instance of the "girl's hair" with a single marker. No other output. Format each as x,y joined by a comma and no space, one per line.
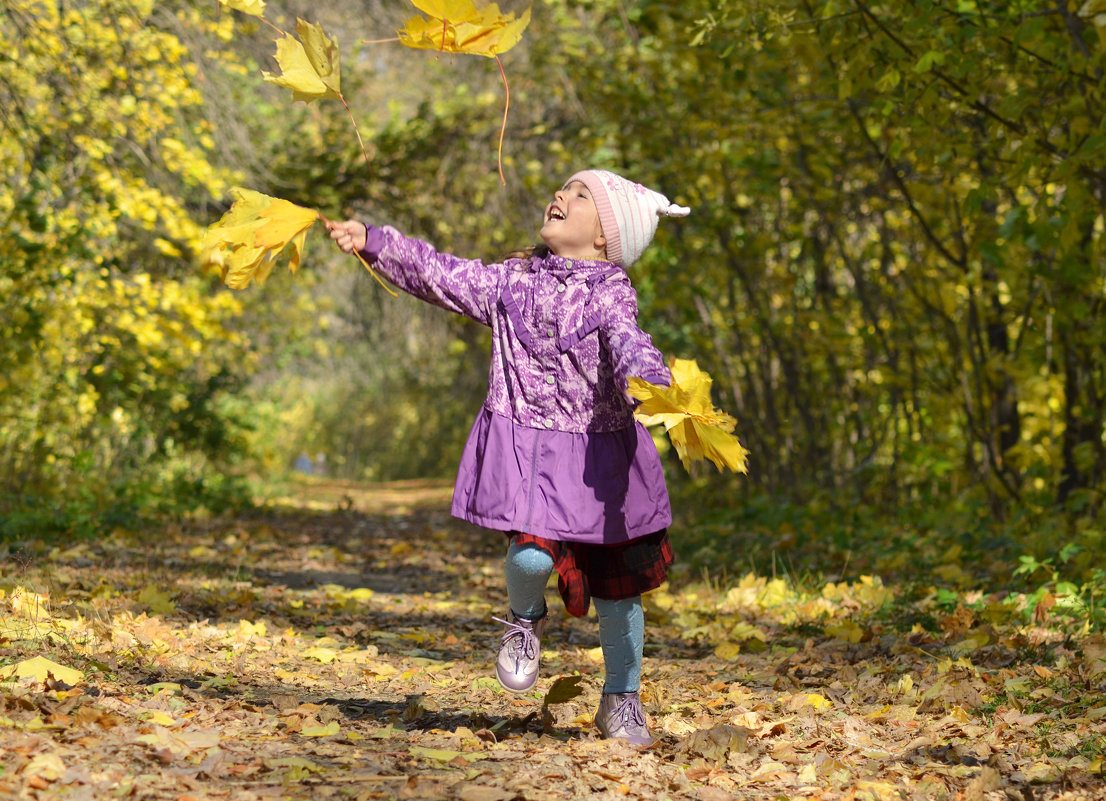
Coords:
541,251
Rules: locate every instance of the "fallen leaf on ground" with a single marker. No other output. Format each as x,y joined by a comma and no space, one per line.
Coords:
40,668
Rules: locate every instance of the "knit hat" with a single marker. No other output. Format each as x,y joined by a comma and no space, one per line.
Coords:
628,212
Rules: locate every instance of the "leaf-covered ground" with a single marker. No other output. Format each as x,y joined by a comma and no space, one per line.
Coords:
344,650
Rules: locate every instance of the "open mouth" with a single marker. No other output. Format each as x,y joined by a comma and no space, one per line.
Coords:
556,214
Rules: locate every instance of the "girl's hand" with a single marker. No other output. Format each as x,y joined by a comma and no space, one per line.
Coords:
350,235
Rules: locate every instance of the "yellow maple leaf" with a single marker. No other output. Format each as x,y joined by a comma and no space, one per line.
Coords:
329,730
324,655
160,718
310,66
40,668
160,601
245,243
457,26
697,430
254,8
285,224
457,10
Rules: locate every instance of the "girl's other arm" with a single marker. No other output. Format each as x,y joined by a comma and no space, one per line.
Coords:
632,350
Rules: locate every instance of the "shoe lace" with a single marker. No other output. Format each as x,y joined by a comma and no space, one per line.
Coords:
628,713
520,639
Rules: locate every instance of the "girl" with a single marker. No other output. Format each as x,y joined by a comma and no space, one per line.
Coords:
555,458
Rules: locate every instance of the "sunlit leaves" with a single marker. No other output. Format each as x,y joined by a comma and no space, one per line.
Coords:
327,730
696,428
310,65
246,242
106,158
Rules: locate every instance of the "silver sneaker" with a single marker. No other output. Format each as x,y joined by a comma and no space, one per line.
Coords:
516,667
621,717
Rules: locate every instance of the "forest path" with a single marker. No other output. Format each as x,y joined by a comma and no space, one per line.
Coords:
342,647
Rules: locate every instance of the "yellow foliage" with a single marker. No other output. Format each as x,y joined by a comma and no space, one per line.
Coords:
868,592
727,650
684,408
324,655
100,177
757,592
246,629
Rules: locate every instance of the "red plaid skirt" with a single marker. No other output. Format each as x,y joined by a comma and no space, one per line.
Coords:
610,572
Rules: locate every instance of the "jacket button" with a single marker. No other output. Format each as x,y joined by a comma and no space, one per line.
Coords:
550,379
561,287
548,423
549,332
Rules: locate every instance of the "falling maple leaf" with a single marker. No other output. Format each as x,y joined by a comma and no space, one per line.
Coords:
458,26
310,66
695,427
255,8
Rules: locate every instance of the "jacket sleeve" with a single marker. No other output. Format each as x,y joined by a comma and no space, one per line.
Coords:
632,350
465,286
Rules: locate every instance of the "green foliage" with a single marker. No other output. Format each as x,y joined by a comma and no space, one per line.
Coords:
893,266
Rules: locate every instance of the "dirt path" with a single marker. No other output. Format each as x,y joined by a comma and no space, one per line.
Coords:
344,650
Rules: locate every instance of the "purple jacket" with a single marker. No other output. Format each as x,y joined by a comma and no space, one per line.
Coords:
556,450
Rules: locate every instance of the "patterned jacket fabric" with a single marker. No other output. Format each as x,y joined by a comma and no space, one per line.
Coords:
565,340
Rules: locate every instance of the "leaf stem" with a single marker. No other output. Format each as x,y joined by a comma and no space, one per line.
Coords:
503,127
281,31
376,275
357,131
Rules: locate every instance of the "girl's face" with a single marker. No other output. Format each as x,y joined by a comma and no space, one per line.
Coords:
571,226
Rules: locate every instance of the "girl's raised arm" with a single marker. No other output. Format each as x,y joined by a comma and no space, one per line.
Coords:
465,286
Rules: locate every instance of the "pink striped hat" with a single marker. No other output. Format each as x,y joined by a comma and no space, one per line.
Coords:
628,212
